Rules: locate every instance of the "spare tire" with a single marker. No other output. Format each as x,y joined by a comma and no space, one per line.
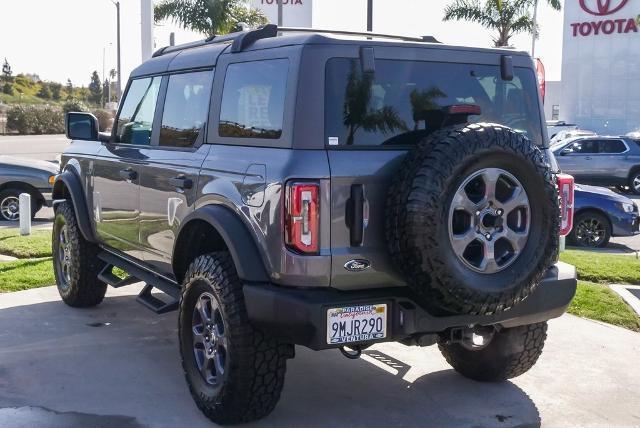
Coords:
472,219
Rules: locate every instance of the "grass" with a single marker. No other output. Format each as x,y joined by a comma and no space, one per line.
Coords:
599,302
36,245
26,274
604,268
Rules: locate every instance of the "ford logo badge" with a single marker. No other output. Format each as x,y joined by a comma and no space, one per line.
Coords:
357,265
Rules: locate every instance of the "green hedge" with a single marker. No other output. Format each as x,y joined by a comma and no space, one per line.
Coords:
26,119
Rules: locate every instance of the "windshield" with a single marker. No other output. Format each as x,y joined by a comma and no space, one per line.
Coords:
403,101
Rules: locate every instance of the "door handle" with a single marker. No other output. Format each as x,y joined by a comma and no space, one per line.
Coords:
181,182
355,215
588,158
128,174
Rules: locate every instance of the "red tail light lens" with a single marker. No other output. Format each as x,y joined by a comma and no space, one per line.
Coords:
301,218
565,188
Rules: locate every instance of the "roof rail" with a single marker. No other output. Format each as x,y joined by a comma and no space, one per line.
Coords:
243,39
240,40
423,39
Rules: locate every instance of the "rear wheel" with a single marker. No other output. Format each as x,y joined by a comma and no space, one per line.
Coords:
634,182
590,230
75,261
235,372
509,352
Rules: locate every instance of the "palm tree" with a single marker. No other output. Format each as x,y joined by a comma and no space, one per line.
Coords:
357,113
209,17
506,17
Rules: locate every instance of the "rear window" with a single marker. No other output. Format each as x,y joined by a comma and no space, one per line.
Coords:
403,101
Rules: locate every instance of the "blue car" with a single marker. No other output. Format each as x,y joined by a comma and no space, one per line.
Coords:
600,214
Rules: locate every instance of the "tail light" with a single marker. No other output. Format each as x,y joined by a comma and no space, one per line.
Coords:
301,217
565,187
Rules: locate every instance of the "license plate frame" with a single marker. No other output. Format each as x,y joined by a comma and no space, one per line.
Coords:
359,323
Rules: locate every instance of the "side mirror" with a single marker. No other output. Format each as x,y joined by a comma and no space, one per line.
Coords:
81,126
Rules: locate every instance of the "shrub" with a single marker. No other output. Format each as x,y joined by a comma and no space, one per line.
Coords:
35,120
105,119
74,105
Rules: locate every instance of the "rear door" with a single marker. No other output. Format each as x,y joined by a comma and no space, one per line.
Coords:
169,181
372,120
609,164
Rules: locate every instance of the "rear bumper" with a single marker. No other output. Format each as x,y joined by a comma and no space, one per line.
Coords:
299,315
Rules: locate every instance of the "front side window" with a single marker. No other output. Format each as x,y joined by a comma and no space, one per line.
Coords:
185,108
138,109
253,99
404,101
585,147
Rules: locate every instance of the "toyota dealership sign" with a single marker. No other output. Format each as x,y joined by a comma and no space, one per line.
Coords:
601,65
600,21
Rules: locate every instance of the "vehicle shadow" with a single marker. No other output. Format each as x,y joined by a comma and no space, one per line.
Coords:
120,359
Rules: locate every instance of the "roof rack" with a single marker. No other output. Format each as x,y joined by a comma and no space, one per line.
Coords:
242,39
423,39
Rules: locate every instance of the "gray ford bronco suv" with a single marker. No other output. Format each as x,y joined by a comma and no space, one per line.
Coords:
285,187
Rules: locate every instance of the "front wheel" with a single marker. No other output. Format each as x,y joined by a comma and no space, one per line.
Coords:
590,230
235,372
75,261
509,353
634,182
10,205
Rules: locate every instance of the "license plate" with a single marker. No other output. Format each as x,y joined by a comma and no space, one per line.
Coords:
356,323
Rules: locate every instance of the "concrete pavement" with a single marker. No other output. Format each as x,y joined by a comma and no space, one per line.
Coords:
43,147
118,365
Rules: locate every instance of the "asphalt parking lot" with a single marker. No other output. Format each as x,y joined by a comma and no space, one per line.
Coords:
118,366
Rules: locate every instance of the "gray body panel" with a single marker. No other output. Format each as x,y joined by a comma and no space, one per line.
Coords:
142,217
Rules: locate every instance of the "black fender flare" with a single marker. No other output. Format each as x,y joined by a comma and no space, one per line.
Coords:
236,236
69,180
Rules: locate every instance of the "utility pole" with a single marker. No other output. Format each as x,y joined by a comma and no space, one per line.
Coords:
535,28
119,86
146,28
279,13
369,15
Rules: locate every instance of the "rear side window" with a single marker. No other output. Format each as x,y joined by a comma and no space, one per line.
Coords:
612,146
253,99
185,108
138,110
403,101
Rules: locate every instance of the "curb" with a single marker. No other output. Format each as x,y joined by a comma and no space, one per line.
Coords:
627,296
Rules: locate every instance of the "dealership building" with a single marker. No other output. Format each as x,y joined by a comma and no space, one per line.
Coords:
600,85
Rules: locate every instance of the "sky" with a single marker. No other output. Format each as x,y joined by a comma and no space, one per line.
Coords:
69,38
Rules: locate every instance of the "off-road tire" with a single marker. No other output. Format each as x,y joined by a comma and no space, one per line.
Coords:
511,352
257,362
417,219
84,289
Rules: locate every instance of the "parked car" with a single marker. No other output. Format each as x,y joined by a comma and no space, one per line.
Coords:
598,160
556,126
569,133
601,214
324,191
30,176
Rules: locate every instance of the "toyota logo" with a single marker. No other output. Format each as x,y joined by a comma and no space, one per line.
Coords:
602,7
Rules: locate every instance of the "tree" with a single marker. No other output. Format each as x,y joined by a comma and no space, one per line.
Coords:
7,87
44,91
69,89
209,17
105,91
56,91
95,89
357,112
505,17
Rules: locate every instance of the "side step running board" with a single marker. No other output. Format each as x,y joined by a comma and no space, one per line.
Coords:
138,274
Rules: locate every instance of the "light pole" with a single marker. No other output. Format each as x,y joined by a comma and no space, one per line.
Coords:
119,85
369,15
279,13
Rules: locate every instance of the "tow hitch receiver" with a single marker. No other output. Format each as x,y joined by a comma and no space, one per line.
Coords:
472,337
